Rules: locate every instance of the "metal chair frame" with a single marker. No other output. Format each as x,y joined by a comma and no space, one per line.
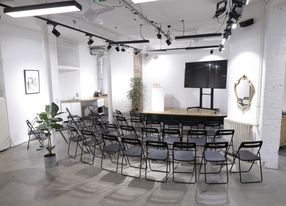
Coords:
159,147
215,149
179,148
36,133
245,146
132,148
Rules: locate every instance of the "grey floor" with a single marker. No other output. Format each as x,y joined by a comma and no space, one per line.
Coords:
25,181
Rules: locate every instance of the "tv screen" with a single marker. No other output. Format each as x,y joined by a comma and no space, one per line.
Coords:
208,74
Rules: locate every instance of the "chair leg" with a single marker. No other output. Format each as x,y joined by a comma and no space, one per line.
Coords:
29,142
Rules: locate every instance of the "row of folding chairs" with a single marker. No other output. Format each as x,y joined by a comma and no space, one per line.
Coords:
112,145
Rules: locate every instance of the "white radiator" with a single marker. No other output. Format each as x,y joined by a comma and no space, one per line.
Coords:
242,132
4,128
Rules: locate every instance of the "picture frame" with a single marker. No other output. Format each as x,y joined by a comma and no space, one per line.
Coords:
32,81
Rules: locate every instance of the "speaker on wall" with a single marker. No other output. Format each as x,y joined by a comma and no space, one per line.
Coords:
246,23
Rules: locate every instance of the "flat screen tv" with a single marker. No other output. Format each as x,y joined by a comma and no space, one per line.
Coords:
207,74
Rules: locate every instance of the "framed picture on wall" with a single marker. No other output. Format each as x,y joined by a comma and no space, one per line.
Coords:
32,81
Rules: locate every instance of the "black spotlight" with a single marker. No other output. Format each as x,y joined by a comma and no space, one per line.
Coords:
108,47
221,48
220,8
168,41
56,32
90,41
123,49
117,48
211,51
241,2
236,12
159,35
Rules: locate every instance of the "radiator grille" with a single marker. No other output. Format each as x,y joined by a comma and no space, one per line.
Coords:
242,132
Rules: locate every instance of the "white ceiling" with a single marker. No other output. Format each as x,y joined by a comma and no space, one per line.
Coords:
114,21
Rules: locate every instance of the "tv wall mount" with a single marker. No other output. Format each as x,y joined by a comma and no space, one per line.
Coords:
200,107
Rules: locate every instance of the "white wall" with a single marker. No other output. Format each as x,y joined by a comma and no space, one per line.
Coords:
88,72
246,59
169,70
284,92
69,81
121,73
22,49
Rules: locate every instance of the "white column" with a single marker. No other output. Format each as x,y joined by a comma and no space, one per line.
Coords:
109,88
273,83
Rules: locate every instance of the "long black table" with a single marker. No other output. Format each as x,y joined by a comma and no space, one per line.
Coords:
182,115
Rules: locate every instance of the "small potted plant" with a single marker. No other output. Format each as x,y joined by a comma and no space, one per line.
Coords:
49,122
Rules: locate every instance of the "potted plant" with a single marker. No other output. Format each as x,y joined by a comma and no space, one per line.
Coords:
135,95
49,122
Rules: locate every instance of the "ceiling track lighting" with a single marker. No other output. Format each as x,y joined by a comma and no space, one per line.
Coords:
108,47
221,48
123,49
43,9
55,31
207,35
185,48
140,15
130,42
117,48
159,35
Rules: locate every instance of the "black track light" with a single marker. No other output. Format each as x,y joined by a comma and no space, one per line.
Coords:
241,2
236,12
90,41
221,48
168,41
56,32
231,24
220,8
123,49
211,51
117,48
159,35
108,47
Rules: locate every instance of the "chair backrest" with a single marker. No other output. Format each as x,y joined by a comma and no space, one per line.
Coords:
118,113
154,123
195,133
88,135
212,125
131,141
30,126
227,134
137,122
156,144
121,120
216,146
251,145
109,138
127,129
184,146
171,132
170,125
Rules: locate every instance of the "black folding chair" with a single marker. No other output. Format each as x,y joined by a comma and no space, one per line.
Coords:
186,126
111,146
129,132
246,153
225,135
75,137
199,137
137,123
184,152
38,134
171,135
91,141
132,148
215,152
157,151
150,134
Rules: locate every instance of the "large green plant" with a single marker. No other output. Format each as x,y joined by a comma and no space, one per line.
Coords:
135,94
48,121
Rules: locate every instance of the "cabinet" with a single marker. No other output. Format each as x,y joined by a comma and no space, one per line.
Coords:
80,107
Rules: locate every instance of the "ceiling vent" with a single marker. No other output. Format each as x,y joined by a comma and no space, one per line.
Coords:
97,50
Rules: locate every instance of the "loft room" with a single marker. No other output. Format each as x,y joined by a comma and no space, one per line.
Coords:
78,54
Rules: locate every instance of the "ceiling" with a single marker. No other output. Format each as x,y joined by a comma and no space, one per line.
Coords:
111,19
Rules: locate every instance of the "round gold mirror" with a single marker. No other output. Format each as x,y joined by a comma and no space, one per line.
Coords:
244,92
